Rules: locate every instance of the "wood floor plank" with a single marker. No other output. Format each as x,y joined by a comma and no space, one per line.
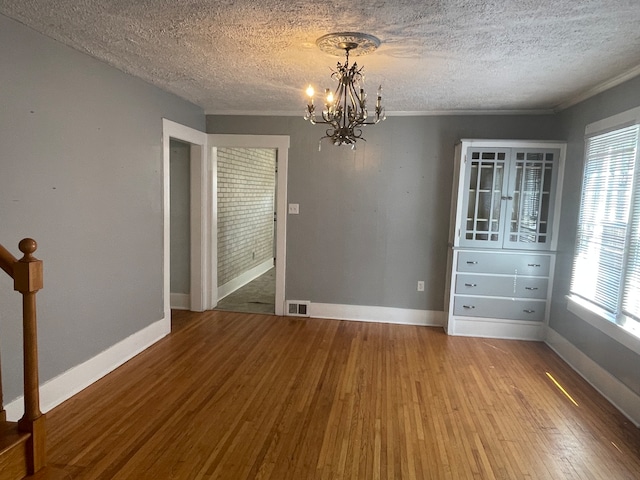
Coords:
236,396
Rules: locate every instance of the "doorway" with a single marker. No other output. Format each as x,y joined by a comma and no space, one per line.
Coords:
199,297
180,227
246,193
279,144
203,205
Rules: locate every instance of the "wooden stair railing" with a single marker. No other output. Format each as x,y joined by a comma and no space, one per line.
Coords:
27,276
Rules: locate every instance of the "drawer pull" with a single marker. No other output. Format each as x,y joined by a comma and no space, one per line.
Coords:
469,307
470,284
471,262
509,197
531,288
529,311
534,264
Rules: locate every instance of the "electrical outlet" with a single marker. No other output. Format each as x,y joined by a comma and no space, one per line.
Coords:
294,208
421,285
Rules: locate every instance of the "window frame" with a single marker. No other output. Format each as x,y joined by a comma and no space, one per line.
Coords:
627,332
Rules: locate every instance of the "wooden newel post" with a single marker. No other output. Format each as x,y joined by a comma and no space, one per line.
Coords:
28,280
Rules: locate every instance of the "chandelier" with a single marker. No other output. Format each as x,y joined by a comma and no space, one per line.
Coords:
345,108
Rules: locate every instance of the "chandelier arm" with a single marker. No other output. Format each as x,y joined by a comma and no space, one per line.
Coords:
345,82
343,97
356,104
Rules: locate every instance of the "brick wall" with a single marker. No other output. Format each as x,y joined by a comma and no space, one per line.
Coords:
246,194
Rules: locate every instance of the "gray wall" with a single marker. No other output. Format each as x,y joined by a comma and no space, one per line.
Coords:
81,172
180,221
613,357
374,221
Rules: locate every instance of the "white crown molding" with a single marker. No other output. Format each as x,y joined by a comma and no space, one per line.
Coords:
606,85
257,113
613,82
417,113
450,113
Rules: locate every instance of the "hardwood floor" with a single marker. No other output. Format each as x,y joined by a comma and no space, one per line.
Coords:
237,396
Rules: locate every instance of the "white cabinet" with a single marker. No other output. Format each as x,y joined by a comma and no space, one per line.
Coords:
505,213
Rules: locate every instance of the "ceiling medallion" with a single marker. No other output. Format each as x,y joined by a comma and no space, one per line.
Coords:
345,109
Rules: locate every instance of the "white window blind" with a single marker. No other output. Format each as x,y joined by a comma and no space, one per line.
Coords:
631,297
606,269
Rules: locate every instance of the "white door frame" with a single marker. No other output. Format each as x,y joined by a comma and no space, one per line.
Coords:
281,144
200,213
204,211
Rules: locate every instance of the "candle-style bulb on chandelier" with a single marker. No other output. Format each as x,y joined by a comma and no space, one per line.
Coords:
345,108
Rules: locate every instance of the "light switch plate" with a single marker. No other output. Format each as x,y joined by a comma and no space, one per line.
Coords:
294,208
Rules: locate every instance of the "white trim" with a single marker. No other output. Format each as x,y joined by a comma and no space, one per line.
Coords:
244,278
249,141
496,328
623,118
589,314
621,396
406,113
180,301
254,113
449,113
365,313
506,143
199,226
199,267
602,87
281,144
212,257
64,386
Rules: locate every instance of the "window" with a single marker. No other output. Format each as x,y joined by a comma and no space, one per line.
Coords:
606,268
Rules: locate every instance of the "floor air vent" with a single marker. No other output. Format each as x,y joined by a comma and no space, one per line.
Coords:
298,308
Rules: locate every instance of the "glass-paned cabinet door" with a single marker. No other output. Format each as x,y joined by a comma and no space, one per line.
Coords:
531,186
485,182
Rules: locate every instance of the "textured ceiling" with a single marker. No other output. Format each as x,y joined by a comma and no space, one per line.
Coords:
257,56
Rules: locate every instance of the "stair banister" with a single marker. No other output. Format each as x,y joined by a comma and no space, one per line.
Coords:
28,279
7,260
6,263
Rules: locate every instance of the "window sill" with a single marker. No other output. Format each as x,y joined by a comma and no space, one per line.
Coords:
628,337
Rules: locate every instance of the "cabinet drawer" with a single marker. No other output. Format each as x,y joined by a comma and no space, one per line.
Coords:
512,286
532,310
505,263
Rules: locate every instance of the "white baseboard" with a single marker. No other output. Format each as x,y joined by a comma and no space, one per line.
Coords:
621,396
244,278
363,313
180,301
496,328
64,386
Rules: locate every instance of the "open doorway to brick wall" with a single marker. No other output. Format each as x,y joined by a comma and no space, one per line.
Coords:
246,193
279,143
